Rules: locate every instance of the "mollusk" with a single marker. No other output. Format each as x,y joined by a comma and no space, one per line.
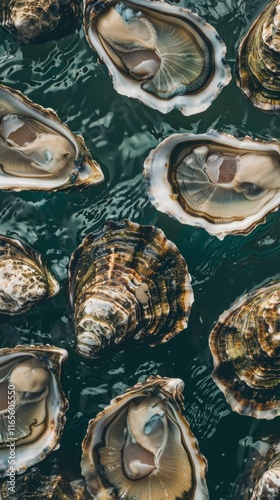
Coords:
30,393
246,351
24,279
37,151
258,60
127,282
141,447
165,56
215,181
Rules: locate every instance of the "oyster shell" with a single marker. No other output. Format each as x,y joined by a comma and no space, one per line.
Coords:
258,60
127,282
24,279
215,181
163,55
37,151
39,21
141,447
246,351
32,407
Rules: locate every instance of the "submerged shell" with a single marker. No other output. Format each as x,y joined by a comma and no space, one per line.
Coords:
29,385
141,447
258,60
163,55
127,282
245,345
39,21
24,279
37,151
215,181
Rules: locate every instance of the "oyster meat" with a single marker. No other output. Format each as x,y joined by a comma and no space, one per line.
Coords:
141,447
37,151
215,181
127,282
32,411
163,55
245,345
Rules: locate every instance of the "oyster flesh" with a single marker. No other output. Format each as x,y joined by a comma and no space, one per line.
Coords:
215,181
37,151
141,447
32,411
165,56
245,345
127,282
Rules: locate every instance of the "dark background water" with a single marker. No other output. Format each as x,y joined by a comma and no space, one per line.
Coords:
120,132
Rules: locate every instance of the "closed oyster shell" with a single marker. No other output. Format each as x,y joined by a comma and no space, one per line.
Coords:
127,282
215,181
39,152
163,55
246,352
141,447
258,60
24,279
30,391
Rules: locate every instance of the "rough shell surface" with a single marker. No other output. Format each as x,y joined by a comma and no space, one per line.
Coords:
127,282
215,181
141,447
165,56
29,381
246,351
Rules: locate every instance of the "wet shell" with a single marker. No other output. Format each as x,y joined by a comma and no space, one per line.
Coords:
39,21
246,352
141,447
127,282
39,152
165,56
29,385
258,60
215,181
24,279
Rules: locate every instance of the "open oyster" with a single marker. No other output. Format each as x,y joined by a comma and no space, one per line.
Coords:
141,447
24,279
246,351
163,55
215,181
37,151
127,282
40,20
258,59
32,405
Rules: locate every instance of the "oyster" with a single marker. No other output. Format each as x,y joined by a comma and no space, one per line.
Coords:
37,151
32,405
163,55
127,282
246,351
258,60
215,181
40,20
24,279
141,447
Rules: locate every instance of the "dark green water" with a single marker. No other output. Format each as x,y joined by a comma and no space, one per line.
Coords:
120,132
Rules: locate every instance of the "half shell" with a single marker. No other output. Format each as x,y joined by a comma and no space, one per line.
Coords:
32,405
215,181
141,447
258,60
37,151
245,345
24,279
163,55
127,282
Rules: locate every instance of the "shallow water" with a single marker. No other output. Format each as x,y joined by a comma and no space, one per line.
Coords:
120,132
